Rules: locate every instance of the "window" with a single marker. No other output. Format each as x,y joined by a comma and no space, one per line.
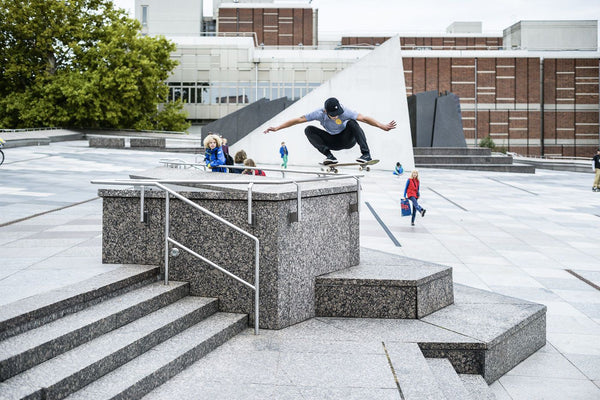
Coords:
144,15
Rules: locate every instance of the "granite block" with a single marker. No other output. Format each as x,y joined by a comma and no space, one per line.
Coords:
288,260
384,286
147,142
106,142
513,349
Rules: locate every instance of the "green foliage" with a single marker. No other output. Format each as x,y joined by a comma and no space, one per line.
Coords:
82,63
487,142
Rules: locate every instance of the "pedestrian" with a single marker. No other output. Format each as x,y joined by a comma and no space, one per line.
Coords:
213,153
411,192
283,151
341,130
596,159
224,146
398,170
250,163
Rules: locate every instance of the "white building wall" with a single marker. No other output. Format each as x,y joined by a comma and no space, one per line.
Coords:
552,35
170,18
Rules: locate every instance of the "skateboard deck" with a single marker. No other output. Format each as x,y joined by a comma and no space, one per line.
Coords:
361,166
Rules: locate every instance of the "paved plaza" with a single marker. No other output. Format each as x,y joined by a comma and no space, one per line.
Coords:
531,236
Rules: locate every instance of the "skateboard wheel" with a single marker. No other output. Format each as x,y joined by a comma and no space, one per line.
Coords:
368,169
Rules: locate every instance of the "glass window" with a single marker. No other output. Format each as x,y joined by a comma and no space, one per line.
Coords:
144,15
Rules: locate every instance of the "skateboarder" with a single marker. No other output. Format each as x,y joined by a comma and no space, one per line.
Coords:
341,130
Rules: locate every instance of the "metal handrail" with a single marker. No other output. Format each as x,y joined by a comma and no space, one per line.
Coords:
168,240
178,162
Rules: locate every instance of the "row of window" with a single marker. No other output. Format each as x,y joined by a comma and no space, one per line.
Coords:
237,92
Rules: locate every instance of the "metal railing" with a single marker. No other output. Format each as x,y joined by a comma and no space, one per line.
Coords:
142,183
179,163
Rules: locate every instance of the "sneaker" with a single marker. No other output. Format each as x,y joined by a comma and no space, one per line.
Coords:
365,158
330,160
423,212
594,189
412,223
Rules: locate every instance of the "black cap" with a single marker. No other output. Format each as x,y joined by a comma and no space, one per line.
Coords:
333,107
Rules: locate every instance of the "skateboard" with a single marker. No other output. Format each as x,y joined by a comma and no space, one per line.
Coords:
361,166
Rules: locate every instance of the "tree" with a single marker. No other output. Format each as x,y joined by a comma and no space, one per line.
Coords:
82,63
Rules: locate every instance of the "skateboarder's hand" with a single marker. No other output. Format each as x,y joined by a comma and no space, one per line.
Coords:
389,126
270,129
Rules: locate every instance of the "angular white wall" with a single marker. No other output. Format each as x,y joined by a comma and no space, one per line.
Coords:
373,86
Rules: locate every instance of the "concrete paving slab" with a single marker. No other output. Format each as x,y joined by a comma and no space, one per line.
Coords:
539,240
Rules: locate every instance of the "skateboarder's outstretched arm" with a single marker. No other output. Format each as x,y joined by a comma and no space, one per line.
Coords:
287,124
386,127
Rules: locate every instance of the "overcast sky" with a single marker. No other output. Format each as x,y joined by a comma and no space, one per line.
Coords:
431,16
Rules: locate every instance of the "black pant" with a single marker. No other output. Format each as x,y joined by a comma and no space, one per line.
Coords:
324,142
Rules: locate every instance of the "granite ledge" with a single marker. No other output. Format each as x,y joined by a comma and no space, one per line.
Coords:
227,192
385,275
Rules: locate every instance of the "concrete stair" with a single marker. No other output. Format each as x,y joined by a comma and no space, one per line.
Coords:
465,158
122,341
420,378
477,331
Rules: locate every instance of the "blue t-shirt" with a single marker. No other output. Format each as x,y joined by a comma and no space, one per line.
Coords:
332,126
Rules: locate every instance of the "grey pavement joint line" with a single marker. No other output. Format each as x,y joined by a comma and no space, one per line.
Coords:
383,225
581,278
29,159
512,186
47,212
393,370
447,199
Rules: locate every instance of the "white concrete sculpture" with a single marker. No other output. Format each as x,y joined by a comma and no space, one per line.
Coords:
373,86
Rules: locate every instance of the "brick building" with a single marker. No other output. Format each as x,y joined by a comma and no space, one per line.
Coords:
273,26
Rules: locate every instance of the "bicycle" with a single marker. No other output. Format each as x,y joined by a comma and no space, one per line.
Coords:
1,152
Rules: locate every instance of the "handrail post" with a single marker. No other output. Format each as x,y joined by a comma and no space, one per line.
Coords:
250,203
142,204
166,237
358,196
299,201
256,286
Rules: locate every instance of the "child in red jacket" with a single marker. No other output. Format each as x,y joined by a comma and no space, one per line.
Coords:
411,192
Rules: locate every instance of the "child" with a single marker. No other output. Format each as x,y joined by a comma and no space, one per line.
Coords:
250,163
238,159
398,170
213,154
411,192
284,154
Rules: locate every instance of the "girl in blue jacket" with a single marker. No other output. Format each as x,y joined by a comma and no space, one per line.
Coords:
213,153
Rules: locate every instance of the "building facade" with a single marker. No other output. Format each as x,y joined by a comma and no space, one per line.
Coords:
532,102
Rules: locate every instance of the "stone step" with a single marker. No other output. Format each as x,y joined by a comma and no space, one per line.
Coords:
506,330
477,386
35,311
474,151
448,380
23,351
74,369
461,159
414,377
384,285
151,369
515,168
